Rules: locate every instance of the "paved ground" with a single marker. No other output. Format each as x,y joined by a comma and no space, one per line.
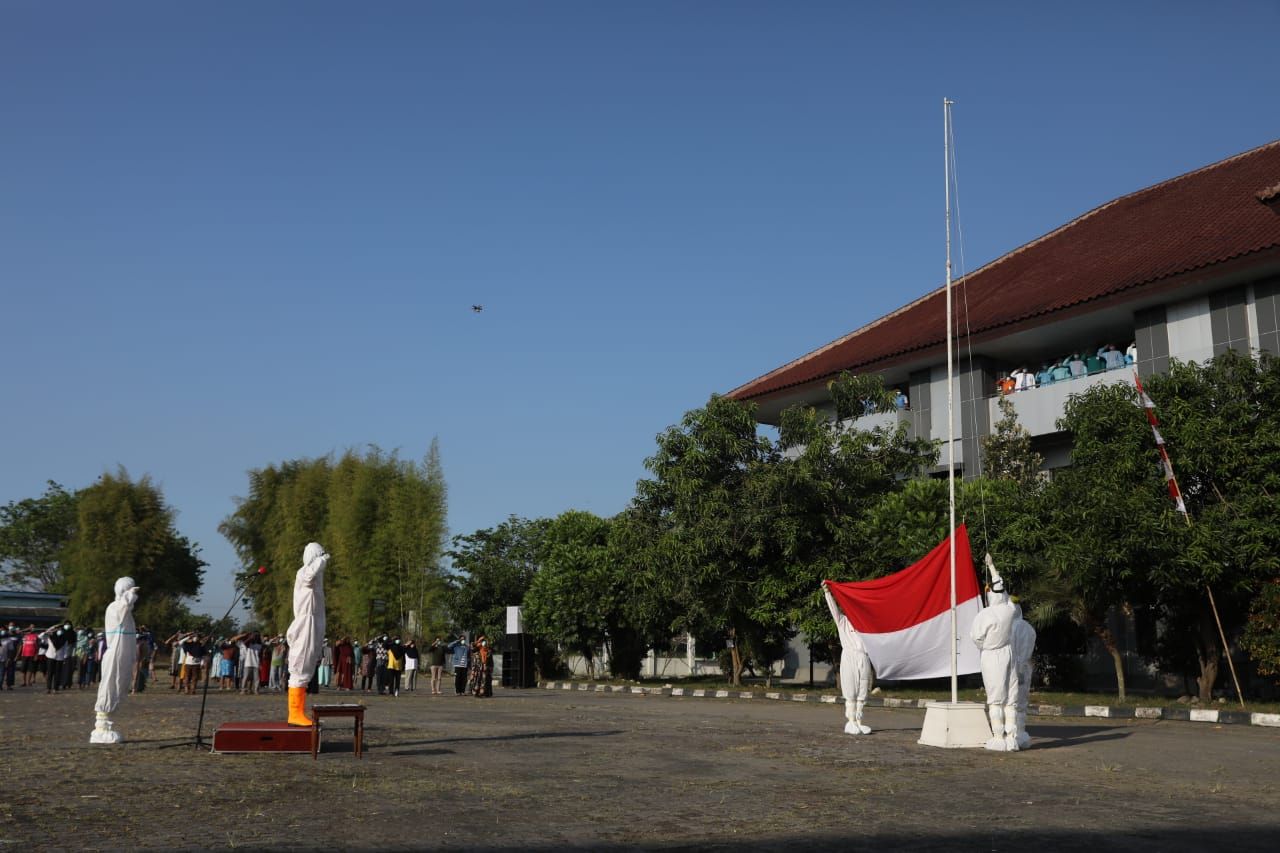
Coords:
547,770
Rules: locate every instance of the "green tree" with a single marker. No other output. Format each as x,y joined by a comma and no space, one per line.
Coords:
640,557
381,517
826,477
496,567
1007,453
1111,535
1222,424
572,596
1102,516
33,533
1262,633
707,485
123,528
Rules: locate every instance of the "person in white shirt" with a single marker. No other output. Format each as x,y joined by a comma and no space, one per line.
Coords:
1112,356
250,645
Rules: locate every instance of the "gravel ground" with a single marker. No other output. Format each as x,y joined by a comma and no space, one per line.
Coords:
538,769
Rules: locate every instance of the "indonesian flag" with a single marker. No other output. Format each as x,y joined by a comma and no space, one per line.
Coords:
904,619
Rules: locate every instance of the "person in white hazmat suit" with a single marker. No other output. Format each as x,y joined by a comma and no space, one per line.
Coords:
306,631
992,633
117,660
1024,645
855,670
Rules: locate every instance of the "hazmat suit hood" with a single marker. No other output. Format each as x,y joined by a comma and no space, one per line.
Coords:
313,550
126,590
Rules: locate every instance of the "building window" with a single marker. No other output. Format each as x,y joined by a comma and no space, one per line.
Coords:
1229,319
1266,301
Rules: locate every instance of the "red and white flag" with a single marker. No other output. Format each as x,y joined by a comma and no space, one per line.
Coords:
904,620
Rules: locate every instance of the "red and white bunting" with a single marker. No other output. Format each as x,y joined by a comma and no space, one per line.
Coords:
1175,494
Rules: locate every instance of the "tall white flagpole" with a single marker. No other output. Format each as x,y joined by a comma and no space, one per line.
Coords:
951,438
954,723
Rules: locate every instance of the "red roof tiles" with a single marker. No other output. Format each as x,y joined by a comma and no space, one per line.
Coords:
1187,223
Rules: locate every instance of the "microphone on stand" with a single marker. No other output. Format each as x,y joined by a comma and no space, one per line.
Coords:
243,581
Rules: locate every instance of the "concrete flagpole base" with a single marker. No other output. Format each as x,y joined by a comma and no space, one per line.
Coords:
955,725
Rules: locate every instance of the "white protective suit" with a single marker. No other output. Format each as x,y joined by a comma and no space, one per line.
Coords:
117,660
992,633
306,631
1024,645
855,670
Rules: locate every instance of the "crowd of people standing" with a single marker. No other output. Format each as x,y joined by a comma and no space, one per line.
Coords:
1073,366
63,656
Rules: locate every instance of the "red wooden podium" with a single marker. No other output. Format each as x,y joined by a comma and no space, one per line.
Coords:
263,736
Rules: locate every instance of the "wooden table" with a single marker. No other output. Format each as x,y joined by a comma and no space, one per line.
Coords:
353,710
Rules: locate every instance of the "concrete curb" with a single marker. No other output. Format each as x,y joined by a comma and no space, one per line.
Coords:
1181,713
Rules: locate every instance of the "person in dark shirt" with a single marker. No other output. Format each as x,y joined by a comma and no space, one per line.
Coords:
438,652
194,647
344,663
461,651
59,640
380,664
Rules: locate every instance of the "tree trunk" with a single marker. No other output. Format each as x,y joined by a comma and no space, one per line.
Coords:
1108,639
736,657
1207,653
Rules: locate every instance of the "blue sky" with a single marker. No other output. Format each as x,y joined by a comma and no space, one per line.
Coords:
233,234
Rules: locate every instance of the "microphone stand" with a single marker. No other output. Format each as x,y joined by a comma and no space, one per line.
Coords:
199,743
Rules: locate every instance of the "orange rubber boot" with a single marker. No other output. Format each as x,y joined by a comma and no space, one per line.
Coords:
298,707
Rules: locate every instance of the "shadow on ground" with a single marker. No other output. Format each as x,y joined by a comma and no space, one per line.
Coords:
1056,737
1172,839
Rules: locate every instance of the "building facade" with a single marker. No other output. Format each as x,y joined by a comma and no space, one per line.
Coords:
24,608
1184,269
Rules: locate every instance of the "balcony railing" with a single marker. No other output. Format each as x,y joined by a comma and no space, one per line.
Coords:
1039,408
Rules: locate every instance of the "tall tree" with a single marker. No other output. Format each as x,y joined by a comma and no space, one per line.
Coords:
33,533
826,477
381,517
640,556
573,595
496,567
1222,424
707,483
1112,536
1103,517
125,528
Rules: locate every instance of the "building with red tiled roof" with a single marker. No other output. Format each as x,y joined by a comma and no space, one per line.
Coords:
1183,269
